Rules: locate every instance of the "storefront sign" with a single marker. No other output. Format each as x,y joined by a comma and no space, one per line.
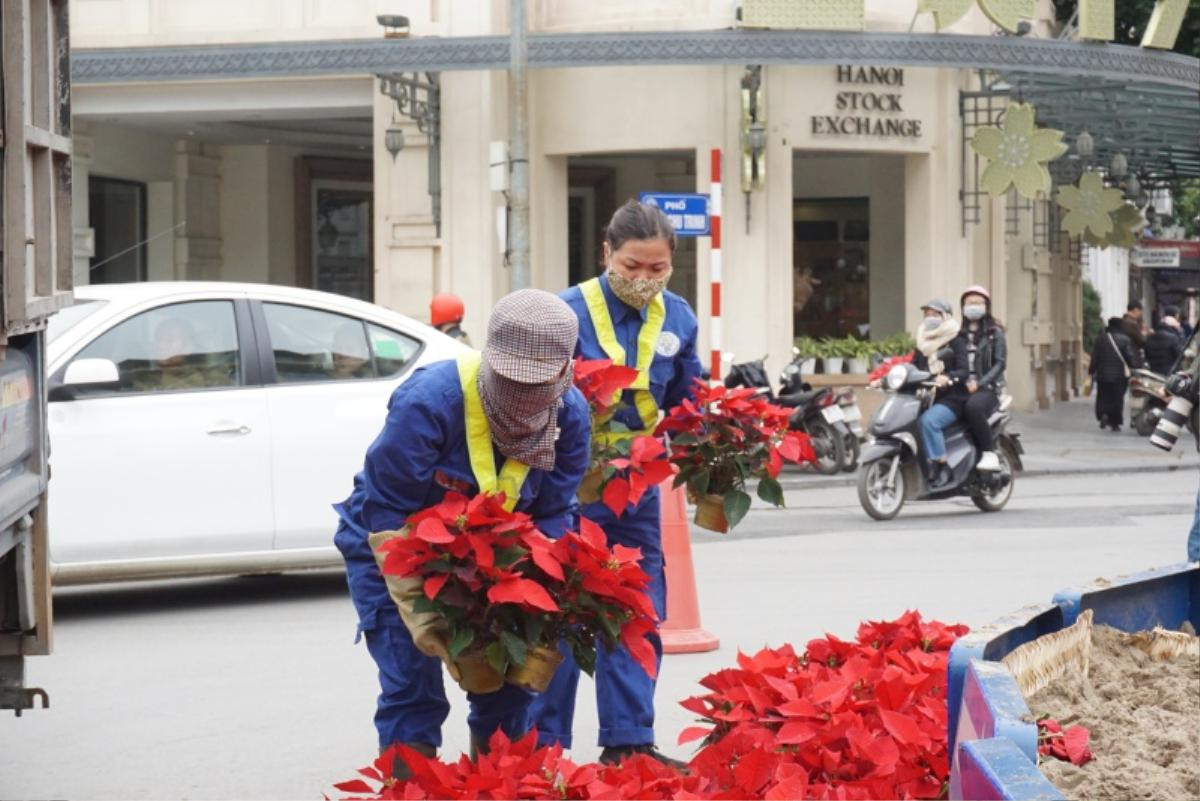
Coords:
877,91
687,213
1155,257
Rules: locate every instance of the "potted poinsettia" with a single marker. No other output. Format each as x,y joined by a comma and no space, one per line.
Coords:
725,440
602,383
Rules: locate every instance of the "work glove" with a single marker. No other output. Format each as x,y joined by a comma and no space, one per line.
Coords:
428,630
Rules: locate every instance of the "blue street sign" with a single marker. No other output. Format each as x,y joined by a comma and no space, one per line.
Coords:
688,213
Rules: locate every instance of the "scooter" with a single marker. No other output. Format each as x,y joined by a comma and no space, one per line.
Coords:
894,468
1148,397
792,383
815,412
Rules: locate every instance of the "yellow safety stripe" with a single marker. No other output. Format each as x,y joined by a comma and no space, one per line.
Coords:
479,439
656,315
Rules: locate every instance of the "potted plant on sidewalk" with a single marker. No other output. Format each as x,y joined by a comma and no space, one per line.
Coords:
860,355
834,357
726,440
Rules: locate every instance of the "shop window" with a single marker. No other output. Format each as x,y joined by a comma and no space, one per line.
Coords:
117,215
341,245
831,243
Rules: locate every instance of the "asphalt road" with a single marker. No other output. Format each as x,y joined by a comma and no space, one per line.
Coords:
252,687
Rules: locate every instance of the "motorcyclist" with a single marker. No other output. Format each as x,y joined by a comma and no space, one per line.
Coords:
1164,346
446,313
980,353
937,330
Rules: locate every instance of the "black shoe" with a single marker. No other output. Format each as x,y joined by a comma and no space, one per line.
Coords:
944,476
1116,429
614,755
400,769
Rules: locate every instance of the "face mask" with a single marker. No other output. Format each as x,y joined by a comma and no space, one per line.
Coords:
637,292
974,312
930,323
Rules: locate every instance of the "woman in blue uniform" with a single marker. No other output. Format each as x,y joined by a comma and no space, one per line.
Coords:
507,420
628,315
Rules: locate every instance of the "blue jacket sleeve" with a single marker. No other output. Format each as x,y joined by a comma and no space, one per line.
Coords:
554,509
400,462
688,366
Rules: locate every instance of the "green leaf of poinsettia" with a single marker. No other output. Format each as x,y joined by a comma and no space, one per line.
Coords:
534,626
737,503
770,491
461,639
700,484
515,647
495,657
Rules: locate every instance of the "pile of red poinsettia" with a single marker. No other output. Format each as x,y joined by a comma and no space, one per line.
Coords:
847,720
1069,745
880,372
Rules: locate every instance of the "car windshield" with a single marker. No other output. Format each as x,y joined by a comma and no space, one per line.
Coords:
66,319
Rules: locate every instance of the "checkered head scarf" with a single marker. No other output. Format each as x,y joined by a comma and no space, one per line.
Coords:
526,370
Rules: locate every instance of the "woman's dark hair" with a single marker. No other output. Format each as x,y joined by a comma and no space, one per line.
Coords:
636,220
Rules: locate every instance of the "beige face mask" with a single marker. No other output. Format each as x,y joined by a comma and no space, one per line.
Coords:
637,292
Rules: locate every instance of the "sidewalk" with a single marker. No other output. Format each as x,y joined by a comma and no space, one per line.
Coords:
1064,440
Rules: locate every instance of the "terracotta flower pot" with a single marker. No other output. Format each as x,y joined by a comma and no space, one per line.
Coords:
476,675
710,514
589,488
538,670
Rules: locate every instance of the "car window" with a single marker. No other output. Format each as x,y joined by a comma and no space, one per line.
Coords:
64,320
313,345
177,347
392,350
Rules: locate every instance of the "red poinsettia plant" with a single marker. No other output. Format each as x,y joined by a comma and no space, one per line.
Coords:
846,720
725,439
501,586
622,465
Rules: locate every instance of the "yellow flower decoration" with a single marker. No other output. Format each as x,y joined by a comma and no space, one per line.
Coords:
945,12
1089,206
1008,13
1016,151
1127,223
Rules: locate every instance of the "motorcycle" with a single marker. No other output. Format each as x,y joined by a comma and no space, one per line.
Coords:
793,384
894,468
1148,397
815,412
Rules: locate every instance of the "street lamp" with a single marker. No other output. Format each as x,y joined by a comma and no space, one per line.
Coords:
393,140
1134,187
395,26
1085,145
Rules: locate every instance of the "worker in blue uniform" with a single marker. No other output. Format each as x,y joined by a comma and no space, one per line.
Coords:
628,315
448,426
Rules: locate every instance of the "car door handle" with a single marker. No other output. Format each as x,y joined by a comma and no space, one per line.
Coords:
229,428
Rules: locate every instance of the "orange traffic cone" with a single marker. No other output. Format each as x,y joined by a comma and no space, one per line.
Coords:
681,631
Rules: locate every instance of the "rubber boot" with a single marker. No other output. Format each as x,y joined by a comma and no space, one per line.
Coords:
614,755
400,770
479,745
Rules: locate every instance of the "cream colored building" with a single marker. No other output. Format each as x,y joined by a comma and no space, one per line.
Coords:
242,179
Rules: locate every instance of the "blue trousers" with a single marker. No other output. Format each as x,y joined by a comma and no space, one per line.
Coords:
412,702
1193,542
624,693
935,420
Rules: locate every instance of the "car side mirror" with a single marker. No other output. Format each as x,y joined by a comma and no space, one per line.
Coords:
83,373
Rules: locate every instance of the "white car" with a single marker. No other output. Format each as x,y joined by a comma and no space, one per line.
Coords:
207,428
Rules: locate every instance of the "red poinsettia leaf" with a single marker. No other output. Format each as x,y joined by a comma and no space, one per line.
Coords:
1075,741
543,558
796,732
633,637
522,591
616,495
434,584
693,733
355,786
645,448
774,463
658,471
901,727
433,530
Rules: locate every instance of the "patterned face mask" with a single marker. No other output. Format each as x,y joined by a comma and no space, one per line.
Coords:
525,372
636,292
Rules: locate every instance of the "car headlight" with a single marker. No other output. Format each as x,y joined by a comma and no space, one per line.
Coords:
896,377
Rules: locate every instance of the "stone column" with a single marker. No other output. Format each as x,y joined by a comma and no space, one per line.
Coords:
198,208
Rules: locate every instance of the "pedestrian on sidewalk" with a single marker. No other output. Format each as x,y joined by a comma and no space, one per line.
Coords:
937,330
1133,327
1164,346
448,428
628,315
1110,369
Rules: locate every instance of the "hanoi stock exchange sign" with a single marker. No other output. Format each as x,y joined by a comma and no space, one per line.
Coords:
688,213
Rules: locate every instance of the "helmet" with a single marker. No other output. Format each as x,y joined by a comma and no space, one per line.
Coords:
938,305
976,290
445,308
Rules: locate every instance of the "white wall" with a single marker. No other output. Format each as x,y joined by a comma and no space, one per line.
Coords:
1108,270
244,202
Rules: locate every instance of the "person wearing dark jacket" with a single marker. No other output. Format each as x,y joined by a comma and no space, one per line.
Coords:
980,354
1112,359
1164,346
1131,325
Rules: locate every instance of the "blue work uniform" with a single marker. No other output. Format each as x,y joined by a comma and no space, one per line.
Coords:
624,693
419,456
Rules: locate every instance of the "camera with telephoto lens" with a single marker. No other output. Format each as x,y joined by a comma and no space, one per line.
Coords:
1183,389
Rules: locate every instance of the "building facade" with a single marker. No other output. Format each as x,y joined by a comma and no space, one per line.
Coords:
867,205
